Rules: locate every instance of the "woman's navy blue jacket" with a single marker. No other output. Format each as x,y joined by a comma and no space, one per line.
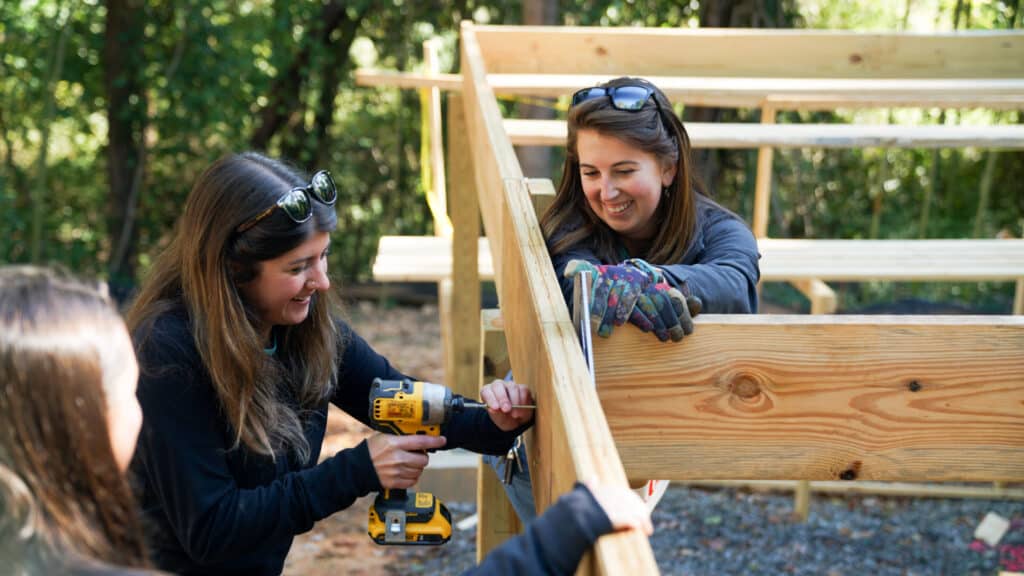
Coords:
213,509
719,265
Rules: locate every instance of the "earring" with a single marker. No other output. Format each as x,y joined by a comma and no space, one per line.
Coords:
664,191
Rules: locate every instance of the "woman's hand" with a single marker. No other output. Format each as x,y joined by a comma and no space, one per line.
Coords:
499,396
399,460
624,508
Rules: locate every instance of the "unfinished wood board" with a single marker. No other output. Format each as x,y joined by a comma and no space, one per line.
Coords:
796,92
747,136
750,53
395,79
783,93
907,260
572,436
497,518
465,255
423,259
900,489
905,398
428,259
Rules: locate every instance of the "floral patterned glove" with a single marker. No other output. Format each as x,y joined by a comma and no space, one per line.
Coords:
614,292
662,309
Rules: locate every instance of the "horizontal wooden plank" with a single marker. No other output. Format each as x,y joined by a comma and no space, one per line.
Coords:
428,259
395,79
423,259
897,398
782,93
750,52
754,91
905,260
747,136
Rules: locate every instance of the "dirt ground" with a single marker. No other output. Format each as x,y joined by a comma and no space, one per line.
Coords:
410,338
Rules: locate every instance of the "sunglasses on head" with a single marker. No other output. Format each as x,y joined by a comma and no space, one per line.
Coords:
629,97
296,204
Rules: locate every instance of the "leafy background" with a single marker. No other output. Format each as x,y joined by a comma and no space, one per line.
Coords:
109,110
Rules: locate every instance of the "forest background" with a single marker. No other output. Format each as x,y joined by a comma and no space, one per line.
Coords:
109,111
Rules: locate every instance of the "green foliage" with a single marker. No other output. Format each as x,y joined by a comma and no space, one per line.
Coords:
213,68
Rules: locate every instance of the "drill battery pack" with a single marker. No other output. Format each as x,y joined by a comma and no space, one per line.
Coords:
398,517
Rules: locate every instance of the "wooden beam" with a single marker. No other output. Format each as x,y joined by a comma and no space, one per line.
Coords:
428,259
498,520
889,489
822,297
905,260
763,180
430,97
782,93
465,257
571,437
393,79
746,136
789,93
910,398
424,258
751,53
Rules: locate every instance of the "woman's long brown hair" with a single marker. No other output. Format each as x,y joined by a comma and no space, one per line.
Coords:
654,129
62,494
202,267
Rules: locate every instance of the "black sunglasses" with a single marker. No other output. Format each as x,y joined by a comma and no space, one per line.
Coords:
629,97
296,203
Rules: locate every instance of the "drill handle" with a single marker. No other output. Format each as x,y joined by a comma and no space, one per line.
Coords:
394,493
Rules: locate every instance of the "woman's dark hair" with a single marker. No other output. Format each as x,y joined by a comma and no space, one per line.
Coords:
63,497
655,129
202,268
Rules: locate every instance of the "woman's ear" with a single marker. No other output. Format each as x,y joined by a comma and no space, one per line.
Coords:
668,174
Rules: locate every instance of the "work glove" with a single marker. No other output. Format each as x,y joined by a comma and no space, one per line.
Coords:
662,308
614,292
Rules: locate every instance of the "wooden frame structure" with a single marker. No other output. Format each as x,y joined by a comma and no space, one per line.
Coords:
798,397
731,68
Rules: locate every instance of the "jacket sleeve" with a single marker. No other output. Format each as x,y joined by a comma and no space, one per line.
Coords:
555,542
725,272
360,364
181,458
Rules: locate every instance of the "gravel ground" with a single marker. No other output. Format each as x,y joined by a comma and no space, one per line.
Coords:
697,531
732,531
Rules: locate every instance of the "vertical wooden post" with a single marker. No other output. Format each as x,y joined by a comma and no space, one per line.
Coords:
763,182
431,99
1018,297
464,314
497,519
432,139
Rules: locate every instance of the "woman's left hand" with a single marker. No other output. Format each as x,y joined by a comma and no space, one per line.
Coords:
500,396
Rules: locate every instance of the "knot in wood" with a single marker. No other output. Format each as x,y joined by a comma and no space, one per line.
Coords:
852,472
745,386
856,58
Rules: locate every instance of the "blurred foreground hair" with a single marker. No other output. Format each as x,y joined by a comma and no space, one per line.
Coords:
63,499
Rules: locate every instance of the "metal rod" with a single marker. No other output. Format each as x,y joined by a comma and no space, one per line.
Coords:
482,405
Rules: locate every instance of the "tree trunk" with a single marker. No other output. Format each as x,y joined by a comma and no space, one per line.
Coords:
727,14
123,69
536,160
285,108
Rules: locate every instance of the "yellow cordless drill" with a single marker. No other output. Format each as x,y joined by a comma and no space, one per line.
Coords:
407,407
